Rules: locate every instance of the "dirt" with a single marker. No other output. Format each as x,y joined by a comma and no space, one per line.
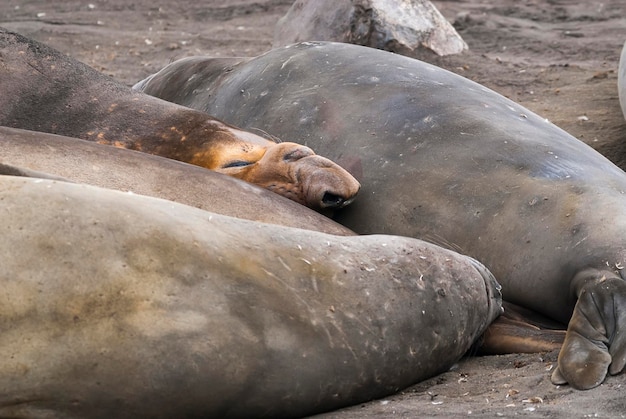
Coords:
557,57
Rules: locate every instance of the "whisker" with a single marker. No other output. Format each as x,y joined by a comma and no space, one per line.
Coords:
266,134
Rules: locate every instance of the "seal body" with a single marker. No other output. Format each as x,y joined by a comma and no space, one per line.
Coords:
452,162
38,154
42,89
130,306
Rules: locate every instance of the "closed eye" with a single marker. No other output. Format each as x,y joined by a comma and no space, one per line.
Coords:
237,163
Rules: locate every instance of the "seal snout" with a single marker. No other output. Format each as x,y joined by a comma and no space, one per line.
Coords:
325,184
322,184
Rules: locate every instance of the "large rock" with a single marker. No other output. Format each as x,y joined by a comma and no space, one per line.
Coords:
408,27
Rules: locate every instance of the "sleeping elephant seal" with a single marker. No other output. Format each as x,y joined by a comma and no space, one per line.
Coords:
42,89
38,154
621,80
447,160
118,305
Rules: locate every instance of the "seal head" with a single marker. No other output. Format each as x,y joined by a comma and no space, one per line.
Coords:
44,90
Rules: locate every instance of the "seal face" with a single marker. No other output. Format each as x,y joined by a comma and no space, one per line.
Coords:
452,162
109,291
44,90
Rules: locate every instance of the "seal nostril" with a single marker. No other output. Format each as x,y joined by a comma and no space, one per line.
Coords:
330,200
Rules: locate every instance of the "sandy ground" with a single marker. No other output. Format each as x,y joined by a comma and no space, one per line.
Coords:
557,57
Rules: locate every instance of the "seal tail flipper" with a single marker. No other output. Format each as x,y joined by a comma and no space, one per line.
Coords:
519,330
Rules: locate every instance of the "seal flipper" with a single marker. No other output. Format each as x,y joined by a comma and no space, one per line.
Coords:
594,343
520,330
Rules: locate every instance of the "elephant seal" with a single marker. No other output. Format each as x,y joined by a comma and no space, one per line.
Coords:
42,89
621,80
38,154
449,161
131,306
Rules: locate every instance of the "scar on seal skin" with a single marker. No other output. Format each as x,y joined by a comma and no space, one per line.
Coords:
44,90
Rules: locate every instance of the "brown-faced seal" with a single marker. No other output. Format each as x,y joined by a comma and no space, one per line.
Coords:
42,89
38,154
118,305
447,160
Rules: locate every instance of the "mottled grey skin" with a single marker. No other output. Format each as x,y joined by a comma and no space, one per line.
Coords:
621,80
38,154
118,305
444,159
